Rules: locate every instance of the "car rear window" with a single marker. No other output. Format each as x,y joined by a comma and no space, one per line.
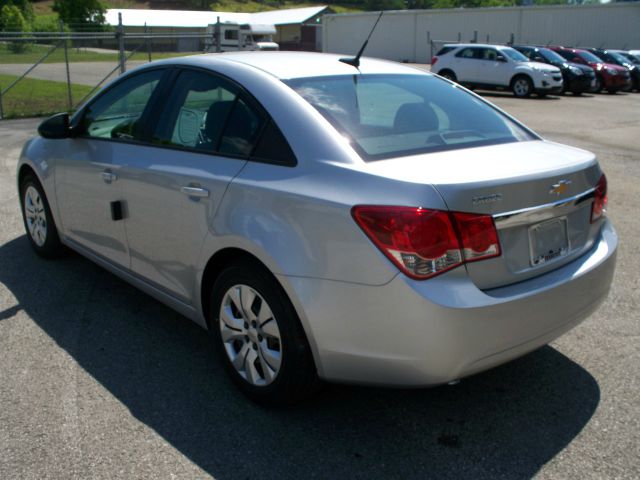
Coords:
386,116
445,50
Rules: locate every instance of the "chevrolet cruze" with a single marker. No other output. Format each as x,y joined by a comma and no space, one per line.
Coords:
324,218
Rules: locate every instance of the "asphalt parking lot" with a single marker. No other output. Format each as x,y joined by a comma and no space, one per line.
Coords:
97,380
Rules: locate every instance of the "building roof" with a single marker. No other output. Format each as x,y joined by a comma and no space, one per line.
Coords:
200,19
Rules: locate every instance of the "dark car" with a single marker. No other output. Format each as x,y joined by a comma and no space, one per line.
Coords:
576,78
609,76
611,56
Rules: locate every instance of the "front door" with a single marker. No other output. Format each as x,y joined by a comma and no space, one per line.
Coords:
88,180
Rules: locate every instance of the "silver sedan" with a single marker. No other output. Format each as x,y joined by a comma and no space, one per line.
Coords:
373,224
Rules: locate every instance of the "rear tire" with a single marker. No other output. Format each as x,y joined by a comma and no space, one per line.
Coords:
38,220
522,86
259,338
449,75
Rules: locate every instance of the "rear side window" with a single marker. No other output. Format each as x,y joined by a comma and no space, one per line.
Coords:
273,147
468,53
387,116
208,113
445,50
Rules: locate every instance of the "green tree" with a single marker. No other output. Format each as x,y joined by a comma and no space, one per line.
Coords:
25,7
81,14
12,20
384,5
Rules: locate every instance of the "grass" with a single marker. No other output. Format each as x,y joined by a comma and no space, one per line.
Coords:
34,98
251,6
35,52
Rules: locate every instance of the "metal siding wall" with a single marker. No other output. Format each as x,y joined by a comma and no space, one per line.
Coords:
403,35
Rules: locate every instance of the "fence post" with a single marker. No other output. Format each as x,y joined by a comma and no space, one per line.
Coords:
120,38
1,107
475,37
512,39
146,33
218,39
66,64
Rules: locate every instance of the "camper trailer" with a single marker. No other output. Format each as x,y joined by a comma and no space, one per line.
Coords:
231,37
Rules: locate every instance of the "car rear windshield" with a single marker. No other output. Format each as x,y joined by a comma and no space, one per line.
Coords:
386,116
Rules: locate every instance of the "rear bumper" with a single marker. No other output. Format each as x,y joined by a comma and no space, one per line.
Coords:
413,333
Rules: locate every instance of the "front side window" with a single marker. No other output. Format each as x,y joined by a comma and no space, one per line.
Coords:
489,54
386,116
117,112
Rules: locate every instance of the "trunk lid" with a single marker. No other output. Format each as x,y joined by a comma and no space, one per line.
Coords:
539,193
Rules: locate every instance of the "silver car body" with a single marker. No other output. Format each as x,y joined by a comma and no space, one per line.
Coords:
365,321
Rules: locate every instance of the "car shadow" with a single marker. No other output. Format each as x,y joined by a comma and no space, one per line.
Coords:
505,423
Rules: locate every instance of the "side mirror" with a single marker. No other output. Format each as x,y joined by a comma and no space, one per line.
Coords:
56,126
501,58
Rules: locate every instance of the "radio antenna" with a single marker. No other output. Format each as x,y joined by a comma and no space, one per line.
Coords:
355,61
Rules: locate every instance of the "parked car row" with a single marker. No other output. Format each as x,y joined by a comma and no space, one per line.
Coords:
528,69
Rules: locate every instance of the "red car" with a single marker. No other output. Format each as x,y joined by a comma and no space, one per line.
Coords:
608,76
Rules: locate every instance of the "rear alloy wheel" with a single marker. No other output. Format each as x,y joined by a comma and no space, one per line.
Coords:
38,221
259,337
522,86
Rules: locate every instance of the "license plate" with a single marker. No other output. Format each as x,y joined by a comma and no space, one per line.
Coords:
548,241
593,82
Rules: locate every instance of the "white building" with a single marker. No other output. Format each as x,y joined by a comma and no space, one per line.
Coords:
296,28
416,35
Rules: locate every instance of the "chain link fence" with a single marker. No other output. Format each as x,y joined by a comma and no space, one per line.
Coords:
47,72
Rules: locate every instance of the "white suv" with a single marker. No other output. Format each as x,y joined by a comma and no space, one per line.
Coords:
496,67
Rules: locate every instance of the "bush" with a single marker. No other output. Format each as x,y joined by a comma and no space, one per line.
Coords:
12,20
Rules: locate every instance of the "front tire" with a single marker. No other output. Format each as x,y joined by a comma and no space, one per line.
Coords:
522,86
599,84
259,338
38,220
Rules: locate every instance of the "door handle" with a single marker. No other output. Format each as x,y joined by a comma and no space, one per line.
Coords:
108,177
198,192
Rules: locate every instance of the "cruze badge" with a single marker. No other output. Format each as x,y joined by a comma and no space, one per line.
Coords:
483,200
560,188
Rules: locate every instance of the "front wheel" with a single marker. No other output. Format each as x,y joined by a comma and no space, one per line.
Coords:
259,338
599,84
38,220
522,86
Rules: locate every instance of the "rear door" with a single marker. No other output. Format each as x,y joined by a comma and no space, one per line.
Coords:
203,135
465,64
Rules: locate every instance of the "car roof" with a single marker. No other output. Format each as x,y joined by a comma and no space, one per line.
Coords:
481,45
290,65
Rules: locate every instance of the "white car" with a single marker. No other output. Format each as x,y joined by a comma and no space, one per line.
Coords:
496,67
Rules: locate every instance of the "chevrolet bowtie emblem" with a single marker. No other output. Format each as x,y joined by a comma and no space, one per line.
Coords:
560,188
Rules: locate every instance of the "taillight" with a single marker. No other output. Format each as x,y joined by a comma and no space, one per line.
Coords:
599,207
424,243
433,60
478,235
